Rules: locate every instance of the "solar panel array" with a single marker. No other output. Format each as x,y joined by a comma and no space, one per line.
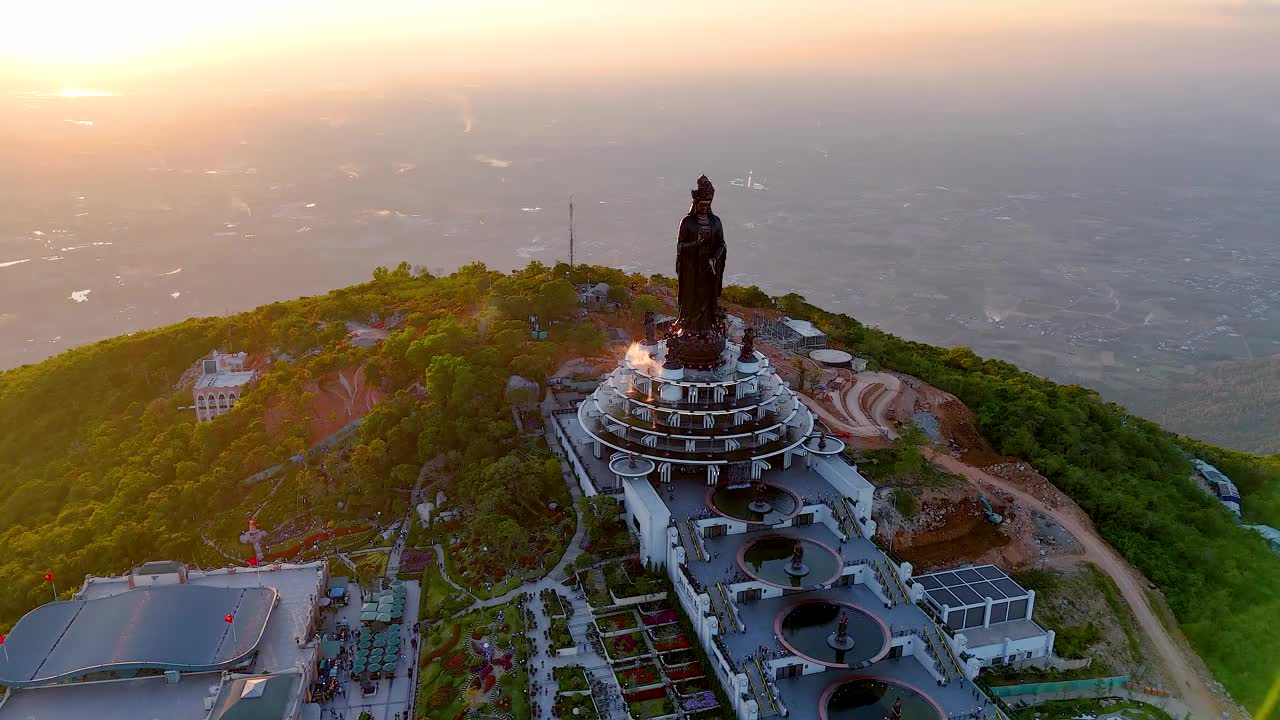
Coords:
969,588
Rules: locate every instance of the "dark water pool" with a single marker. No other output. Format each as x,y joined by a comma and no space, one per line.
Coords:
768,559
734,501
807,626
872,700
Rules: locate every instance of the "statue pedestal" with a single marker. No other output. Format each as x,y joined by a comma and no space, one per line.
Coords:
795,570
838,643
696,351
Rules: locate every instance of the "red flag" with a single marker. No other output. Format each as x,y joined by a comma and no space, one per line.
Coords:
1,638
253,562
48,577
228,618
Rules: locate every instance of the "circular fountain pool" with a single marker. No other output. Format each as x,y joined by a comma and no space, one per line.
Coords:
810,629
770,559
735,502
873,699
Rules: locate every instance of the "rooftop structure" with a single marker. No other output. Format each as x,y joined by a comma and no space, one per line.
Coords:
165,617
135,630
789,333
221,383
1221,486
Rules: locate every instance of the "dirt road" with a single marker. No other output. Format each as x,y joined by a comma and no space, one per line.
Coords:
1182,664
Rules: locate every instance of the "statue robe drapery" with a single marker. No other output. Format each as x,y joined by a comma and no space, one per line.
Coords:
700,258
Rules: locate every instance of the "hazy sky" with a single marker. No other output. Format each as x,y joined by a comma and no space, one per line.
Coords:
145,46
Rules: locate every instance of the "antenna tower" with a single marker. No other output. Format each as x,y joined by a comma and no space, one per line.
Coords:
571,231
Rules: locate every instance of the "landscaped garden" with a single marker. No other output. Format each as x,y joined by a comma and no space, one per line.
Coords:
619,621
649,704
679,642
472,666
638,676
629,578
578,707
439,599
570,677
560,636
371,565
626,646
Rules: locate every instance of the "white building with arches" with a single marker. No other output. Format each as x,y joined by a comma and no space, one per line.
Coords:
223,379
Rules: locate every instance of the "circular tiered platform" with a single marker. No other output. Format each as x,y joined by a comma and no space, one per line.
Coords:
738,414
806,629
871,698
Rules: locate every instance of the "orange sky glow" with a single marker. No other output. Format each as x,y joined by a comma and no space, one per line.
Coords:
127,45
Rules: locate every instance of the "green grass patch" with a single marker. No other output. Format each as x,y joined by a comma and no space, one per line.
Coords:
560,635
1111,594
657,707
1067,709
570,677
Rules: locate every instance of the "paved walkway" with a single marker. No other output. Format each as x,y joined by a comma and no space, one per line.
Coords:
600,677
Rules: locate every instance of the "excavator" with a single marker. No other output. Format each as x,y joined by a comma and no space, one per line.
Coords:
993,517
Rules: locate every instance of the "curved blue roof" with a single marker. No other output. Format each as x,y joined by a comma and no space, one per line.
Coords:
166,627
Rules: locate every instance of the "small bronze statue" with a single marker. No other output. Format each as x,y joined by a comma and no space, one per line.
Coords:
842,628
797,556
650,336
748,354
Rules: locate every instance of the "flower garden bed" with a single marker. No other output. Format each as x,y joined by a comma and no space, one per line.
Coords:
415,561
651,708
677,658
626,646
616,622
570,677
659,618
692,686
705,700
664,632
685,672
679,642
638,677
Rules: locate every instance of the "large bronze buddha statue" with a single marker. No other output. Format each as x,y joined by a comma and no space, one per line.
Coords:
696,338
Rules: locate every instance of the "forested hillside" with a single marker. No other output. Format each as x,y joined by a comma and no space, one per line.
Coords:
1132,477
100,470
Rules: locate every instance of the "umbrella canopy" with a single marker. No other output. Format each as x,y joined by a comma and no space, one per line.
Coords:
369,616
358,666
379,642
368,606
384,617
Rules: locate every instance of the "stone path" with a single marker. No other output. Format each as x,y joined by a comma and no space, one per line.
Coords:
600,677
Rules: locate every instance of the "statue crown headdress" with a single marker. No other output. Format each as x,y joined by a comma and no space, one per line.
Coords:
704,191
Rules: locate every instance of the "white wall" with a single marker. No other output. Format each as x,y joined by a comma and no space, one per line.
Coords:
645,509
1038,646
848,482
584,480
